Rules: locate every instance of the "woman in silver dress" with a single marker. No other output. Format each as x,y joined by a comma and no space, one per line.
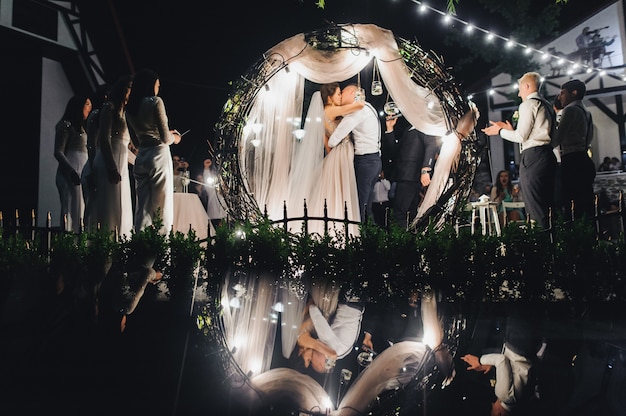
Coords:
70,150
115,210
154,177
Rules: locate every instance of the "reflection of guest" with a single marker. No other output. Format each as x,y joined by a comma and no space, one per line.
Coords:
538,163
513,366
146,115
413,162
115,209
70,150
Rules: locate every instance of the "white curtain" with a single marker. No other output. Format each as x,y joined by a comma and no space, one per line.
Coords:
306,160
323,67
250,320
268,139
292,315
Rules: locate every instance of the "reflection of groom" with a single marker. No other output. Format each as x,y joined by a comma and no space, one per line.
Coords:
365,128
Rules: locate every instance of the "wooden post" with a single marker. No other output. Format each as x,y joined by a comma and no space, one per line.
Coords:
49,232
33,224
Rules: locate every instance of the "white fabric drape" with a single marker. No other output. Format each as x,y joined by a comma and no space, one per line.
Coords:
291,317
306,160
393,369
323,67
448,158
249,319
268,138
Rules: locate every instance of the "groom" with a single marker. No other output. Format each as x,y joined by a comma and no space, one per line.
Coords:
365,128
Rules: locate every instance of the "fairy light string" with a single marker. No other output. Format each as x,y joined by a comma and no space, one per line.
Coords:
545,57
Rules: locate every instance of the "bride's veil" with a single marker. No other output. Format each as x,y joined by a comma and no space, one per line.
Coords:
306,159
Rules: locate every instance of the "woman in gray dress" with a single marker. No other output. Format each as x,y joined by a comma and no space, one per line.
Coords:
154,177
115,210
70,150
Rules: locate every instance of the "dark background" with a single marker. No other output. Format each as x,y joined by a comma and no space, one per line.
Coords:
198,48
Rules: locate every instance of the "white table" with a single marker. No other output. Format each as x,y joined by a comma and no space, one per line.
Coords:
189,212
487,211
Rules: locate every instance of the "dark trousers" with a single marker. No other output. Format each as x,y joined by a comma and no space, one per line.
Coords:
577,175
379,210
406,202
537,171
366,168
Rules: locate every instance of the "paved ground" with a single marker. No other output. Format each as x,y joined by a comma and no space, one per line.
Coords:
55,360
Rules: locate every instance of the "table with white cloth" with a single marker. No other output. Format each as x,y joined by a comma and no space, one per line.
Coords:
189,212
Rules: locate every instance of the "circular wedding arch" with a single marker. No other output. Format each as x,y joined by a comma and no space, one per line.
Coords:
264,146
255,179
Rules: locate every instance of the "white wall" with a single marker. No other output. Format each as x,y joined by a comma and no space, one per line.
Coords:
55,93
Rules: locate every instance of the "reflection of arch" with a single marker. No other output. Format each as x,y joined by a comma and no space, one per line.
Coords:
411,76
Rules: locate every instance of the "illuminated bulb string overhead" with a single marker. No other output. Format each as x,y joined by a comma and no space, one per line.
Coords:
509,43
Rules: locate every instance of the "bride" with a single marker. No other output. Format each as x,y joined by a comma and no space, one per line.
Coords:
336,186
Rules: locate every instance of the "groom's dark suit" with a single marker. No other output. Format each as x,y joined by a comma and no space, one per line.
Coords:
412,154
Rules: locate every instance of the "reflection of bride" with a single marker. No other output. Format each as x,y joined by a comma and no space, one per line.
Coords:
336,186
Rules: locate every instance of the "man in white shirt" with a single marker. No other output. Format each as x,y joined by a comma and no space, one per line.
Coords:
537,161
365,128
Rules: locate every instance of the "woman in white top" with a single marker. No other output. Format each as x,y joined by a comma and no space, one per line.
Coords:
154,177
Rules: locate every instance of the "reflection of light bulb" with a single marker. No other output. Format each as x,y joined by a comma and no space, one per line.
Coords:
234,303
255,142
257,127
299,133
210,180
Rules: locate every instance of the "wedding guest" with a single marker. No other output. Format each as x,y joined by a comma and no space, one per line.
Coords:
200,189
574,136
505,191
215,201
538,162
615,164
181,167
413,161
70,150
153,169
115,210
88,178
605,166
380,200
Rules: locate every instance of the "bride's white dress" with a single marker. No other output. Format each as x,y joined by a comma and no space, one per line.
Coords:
336,187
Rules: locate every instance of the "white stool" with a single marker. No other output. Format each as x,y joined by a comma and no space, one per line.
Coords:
488,213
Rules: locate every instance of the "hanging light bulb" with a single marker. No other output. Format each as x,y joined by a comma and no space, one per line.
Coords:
299,134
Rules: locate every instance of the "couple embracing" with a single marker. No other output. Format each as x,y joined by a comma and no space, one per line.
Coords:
352,159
